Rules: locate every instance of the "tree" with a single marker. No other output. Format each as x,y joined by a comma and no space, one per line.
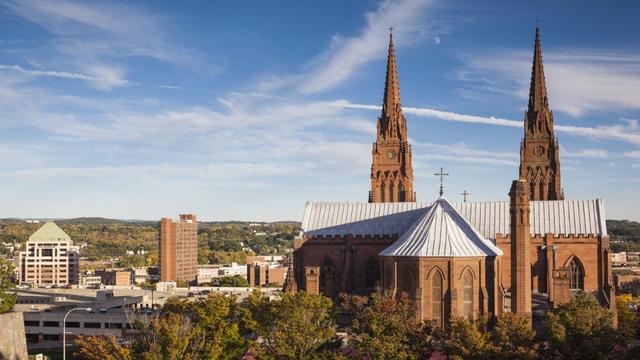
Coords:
101,348
217,318
386,328
581,329
233,281
7,295
514,338
627,316
468,339
172,336
298,326
204,329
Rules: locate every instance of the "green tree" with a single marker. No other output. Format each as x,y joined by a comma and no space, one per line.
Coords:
581,329
386,328
298,326
7,293
203,329
514,338
217,318
233,281
468,339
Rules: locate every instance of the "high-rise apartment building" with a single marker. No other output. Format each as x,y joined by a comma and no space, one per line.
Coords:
49,258
179,248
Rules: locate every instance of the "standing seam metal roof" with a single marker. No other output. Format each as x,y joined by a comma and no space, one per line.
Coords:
563,217
441,231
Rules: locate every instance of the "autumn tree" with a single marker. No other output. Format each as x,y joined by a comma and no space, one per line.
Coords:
216,318
628,321
581,329
386,328
7,295
514,338
469,339
101,348
297,326
203,329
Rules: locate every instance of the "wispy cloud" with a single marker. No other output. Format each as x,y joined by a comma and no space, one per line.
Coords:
461,152
103,77
579,81
95,33
584,153
346,55
621,132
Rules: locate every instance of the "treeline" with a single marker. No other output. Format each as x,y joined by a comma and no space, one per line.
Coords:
624,235
219,242
303,326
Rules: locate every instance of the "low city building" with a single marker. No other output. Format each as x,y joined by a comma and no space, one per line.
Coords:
619,259
140,274
90,280
265,274
115,277
44,312
209,273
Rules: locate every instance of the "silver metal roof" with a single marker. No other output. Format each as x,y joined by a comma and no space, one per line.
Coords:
564,217
441,231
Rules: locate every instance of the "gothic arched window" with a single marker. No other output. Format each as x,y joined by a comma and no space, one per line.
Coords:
543,196
407,282
382,192
577,274
532,185
467,294
391,192
436,298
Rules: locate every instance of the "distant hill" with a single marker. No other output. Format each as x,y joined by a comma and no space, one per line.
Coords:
102,221
218,241
624,235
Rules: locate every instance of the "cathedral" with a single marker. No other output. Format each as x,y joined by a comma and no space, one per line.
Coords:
522,255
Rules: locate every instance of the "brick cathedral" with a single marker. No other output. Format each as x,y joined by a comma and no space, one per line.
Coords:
528,253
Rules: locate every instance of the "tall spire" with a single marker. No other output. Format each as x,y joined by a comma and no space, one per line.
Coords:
538,100
289,281
391,168
539,150
391,103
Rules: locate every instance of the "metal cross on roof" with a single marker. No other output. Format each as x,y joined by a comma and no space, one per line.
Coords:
442,174
464,194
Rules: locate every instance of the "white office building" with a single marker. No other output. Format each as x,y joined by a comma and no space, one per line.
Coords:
49,258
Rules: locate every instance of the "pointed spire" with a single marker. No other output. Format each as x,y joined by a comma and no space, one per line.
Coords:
538,91
391,110
290,282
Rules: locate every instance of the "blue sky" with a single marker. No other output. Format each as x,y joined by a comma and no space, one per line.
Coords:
247,109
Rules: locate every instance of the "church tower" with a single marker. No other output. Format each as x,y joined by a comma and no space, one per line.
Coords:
539,155
391,168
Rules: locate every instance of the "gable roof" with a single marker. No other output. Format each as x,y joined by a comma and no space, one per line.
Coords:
488,218
48,232
441,231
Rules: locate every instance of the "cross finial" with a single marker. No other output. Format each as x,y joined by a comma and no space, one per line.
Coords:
464,194
391,29
442,174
